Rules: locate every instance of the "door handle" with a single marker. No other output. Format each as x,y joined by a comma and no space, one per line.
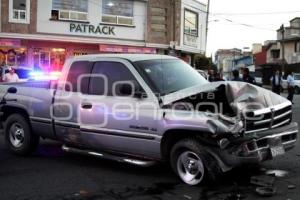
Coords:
86,105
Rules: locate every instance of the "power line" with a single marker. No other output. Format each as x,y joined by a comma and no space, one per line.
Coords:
258,13
244,24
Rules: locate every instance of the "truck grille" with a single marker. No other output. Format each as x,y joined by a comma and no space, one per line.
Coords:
267,118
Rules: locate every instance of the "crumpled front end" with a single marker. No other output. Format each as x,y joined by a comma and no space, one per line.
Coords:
253,124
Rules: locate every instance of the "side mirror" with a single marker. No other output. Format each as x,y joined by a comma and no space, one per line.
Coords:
12,90
126,90
136,92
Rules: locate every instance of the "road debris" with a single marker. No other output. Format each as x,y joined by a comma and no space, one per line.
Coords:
265,191
277,173
262,180
187,196
291,187
235,196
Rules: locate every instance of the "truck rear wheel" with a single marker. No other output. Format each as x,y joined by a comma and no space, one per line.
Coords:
191,163
18,135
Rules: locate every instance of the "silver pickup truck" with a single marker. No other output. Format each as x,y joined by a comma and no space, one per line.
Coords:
144,109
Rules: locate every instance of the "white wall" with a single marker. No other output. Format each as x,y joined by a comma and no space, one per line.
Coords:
45,25
199,8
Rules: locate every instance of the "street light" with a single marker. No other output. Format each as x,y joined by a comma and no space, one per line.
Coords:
282,30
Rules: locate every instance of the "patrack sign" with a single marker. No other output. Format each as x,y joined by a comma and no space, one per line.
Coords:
91,29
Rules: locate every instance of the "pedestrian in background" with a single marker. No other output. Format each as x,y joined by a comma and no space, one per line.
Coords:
236,75
217,77
247,77
11,76
291,84
211,74
276,82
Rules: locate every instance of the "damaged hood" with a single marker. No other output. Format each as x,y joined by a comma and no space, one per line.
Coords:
239,95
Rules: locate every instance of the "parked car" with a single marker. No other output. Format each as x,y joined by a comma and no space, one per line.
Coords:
154,109
297,83
258,78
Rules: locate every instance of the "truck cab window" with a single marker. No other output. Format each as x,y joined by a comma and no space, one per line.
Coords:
115,73
78,68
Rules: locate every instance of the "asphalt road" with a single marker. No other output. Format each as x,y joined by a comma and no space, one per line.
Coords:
51,174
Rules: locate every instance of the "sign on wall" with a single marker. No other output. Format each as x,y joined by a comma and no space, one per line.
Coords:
10,42
190,40
91,29
126,49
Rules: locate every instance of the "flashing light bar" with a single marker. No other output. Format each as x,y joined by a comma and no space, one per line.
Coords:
38,75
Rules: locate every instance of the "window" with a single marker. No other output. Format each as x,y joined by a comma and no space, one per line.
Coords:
297,47
168,76
117,12
19,11
275,53
78,68
190,23
69,10
114,72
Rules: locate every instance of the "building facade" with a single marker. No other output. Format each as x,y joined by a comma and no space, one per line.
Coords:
224,59
44,33
284,53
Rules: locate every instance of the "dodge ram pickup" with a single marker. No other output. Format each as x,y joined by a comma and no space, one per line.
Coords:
146,109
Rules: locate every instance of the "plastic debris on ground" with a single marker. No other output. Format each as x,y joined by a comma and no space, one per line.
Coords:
265,191
262,180
277,173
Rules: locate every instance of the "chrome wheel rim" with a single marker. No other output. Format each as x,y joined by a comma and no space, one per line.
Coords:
16,135
190,168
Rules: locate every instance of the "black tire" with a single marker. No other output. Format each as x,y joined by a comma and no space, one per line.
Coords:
17,128
211,167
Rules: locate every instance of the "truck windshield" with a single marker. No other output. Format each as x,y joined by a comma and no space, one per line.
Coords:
166,76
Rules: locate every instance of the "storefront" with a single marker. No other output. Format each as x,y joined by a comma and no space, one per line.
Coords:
51,55
12,52
70,28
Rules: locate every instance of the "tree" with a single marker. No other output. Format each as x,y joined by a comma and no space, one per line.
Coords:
204,63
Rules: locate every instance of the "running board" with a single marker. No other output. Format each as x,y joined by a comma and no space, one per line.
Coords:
133,161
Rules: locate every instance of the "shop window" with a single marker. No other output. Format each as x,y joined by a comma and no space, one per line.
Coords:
297,47
190,23
76,10
117,12
13,56
19,11
49,59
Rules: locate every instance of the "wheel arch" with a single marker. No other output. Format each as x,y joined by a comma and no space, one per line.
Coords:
171,137
9,110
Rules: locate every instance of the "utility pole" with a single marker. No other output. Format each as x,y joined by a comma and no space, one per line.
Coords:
207,15
282,30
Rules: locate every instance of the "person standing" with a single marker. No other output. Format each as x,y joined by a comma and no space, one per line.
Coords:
217,77
211,74
236,75
11,76
247,77
276,82
291,85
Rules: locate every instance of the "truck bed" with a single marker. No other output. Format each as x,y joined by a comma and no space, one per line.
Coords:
34,84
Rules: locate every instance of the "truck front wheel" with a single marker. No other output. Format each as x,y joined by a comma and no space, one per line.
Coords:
18,135
191,163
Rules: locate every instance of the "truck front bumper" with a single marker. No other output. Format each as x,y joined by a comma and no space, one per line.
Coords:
262,146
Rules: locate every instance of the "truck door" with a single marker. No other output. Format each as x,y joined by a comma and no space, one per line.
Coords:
66,105
116,122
